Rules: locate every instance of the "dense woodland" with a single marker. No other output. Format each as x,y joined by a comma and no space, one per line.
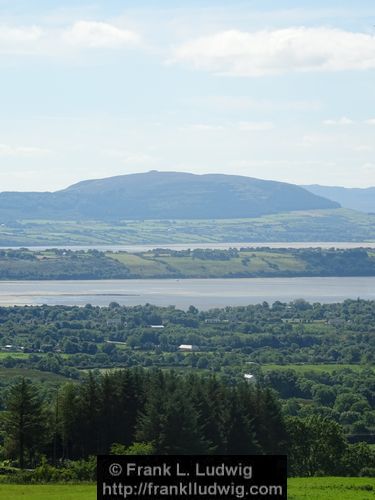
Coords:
319,358
60,264
154,412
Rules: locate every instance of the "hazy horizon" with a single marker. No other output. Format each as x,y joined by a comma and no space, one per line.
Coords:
171,171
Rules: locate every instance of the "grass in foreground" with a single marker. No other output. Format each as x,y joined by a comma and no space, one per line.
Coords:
48,492
326,488
331,488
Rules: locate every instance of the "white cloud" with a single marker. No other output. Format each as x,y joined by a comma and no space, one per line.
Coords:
6,150
255,126
363,148
18,39
129,158
283,163
241,126
341,121
240,103
270,52
317,139
371,121
204,127
92,34
14,34
368,167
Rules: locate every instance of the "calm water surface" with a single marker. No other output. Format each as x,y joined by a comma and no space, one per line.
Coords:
212,246
203,293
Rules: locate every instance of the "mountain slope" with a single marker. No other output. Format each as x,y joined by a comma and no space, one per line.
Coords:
354,198
162,195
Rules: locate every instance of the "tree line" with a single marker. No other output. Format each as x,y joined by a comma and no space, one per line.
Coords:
162,413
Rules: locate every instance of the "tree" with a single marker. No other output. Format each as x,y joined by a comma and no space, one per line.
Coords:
316,446
170,420
25,422
134,449
359,457
324,395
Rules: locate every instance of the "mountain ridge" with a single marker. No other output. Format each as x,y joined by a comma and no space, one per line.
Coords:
362,199
162,195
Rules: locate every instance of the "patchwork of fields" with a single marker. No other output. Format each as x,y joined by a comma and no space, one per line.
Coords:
315,225
243,262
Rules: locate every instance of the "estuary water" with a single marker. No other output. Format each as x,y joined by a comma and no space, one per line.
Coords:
202,293
212,246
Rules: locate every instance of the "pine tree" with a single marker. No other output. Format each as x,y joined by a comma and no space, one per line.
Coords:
209,398
88,414
182,433
170,420
68,419
151,423
25,422
241,437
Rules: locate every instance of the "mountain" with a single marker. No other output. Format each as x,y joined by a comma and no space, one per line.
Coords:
162,195
354,198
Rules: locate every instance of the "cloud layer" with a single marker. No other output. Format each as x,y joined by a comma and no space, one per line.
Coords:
91,34
268,52
79,35
7,150
15,39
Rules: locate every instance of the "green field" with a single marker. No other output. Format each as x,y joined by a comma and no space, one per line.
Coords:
147,264
47,492
35,375
316,225
329,488
15,355
245,262
328,368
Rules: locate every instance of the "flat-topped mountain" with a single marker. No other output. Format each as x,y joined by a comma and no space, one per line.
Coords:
162,195
362,199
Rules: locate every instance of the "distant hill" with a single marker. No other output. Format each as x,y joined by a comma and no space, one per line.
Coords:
354,198
162,195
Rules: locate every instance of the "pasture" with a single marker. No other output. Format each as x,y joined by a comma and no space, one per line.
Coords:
305,368
326,488
331,488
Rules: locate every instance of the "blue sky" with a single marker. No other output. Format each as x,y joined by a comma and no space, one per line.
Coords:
271,89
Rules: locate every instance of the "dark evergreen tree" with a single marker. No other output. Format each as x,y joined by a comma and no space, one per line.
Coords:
26,423
241,436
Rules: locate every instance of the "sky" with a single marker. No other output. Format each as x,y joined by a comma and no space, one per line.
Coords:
272,89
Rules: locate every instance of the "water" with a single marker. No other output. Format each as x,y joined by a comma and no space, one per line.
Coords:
202,293
212,246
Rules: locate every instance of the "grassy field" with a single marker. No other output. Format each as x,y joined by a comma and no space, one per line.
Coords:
147,264
329,368
317,225
329,488
196,264
15,355
35,375
47,492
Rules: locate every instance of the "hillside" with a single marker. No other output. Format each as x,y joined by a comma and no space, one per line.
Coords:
162,195
353,198
315,225
163,263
